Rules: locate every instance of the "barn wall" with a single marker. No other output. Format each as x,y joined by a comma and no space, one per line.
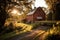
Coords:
29,18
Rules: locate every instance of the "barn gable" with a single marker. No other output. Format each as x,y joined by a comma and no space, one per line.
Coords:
39,9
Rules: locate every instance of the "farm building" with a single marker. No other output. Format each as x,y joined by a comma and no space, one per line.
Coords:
36,15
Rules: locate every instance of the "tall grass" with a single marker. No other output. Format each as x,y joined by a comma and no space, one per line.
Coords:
53,34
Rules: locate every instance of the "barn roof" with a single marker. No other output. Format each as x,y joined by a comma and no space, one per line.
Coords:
32,12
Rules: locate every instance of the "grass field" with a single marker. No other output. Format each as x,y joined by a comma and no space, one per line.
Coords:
26,28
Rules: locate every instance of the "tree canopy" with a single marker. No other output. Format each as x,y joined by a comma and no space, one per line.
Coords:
6,5
54,5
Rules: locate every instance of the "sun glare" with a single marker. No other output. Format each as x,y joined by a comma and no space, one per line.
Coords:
40,3
14,11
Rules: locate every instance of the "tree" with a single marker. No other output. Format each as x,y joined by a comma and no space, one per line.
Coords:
5,5
3,13
54,6
49,16
24,6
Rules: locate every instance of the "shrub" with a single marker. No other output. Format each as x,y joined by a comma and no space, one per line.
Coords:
35,25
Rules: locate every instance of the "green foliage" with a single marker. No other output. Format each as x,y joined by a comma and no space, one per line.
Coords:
35,25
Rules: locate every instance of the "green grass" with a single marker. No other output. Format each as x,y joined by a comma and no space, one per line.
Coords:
11,34
34,25
7,35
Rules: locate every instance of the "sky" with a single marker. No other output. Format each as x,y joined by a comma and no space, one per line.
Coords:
40,3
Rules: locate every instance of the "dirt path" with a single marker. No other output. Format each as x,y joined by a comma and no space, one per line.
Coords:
29,35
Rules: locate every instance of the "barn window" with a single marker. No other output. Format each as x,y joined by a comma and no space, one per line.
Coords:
39,17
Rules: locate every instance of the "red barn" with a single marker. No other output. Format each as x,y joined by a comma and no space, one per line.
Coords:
36,15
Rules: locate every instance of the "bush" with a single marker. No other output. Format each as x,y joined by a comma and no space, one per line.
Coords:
35,25
9,28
